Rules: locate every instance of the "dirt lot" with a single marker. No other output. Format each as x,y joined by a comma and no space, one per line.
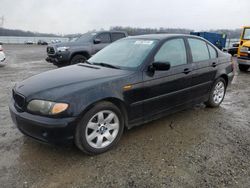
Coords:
199,147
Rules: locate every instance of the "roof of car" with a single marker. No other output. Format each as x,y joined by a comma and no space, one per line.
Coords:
112,31
158,36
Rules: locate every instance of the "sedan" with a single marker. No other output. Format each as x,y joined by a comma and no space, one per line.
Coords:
132,81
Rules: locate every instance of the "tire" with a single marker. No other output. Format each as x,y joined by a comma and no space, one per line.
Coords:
91,135
77,59
217,93
243,68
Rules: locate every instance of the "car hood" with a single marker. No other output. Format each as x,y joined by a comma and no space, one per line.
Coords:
83,75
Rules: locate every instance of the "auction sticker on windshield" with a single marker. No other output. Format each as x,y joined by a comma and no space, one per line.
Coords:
145,42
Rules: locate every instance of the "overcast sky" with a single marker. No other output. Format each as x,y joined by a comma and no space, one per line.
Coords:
79,16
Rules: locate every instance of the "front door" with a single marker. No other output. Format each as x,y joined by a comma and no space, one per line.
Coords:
168,89
105,40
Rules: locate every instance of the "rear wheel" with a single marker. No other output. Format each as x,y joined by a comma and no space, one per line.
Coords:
217,93
77,59
99,129
243,67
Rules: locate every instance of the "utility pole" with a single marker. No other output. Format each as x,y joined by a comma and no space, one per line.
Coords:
1,21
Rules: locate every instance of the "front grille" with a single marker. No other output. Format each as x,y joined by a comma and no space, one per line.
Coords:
19,100
50,50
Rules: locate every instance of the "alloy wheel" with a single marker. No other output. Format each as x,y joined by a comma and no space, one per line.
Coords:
102,129
219,92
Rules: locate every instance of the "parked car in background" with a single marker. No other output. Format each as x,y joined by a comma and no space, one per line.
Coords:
234,49
130,82
77,51
2,56
42,42
55,41
29,42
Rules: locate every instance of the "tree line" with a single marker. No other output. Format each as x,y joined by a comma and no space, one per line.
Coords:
231,33
21,33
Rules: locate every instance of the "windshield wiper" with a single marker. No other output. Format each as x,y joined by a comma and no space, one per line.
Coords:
106,65
86,61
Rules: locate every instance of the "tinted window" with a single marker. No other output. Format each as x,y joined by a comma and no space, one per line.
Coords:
172,51
212,51
198,49
117,36
104,37
87,37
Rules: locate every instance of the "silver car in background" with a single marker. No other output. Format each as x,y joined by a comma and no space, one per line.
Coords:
2,56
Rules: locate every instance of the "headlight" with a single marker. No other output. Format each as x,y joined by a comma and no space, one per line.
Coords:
62,49
46,107
244,49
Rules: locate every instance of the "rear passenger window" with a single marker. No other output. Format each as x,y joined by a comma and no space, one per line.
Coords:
212,51
117,36
104,37
199,50
172,51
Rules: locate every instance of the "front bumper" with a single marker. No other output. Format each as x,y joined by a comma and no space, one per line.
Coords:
49,130
244,61
58,58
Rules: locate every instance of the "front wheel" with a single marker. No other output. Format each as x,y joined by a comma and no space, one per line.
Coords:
77,59
99,129
243,67
217,93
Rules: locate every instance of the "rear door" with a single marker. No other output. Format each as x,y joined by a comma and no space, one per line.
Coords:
167,89
204,60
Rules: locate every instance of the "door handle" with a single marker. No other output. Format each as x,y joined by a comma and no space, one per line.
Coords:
186,71
214,64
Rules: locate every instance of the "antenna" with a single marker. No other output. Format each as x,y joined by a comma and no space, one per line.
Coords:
1,21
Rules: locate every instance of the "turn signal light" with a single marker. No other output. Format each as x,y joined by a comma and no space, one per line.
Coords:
59,107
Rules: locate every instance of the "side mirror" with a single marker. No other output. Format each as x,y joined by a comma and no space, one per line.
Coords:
97,41
160,66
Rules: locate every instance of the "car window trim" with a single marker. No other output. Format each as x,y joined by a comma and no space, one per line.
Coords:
185,50
150,59
191,50
214,50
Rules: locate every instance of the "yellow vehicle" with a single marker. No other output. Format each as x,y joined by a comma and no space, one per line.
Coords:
244,49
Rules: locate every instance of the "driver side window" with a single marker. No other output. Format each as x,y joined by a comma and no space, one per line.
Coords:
172,51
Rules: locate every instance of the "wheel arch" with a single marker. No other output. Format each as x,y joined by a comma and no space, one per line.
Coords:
84,53
116,101
225,77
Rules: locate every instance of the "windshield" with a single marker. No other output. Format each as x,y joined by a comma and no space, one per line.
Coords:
87,37
246,35
126,53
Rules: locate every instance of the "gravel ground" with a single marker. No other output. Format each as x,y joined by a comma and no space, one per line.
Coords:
198,147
